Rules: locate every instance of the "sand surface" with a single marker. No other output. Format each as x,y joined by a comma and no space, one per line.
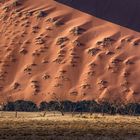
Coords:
49,50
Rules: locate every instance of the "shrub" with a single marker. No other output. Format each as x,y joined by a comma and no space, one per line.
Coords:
21,105
80,106
43,106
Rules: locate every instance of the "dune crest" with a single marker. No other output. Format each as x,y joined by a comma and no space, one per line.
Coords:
49,51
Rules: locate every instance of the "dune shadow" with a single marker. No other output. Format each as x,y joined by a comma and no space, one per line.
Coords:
123,12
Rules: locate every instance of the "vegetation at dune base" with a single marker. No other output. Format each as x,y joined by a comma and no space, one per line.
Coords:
73,107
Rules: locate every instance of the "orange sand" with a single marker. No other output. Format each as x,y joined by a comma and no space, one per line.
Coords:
49,50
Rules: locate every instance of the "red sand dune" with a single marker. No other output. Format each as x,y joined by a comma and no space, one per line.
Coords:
49,50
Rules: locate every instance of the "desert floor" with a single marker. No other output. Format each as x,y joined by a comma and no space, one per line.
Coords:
54,127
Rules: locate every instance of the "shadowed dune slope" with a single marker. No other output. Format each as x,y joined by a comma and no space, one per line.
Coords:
50,51
122,12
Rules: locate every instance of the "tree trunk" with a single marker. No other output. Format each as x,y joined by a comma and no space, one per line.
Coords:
81,113
91,111
73,112
16,114
44,114
103,111
62,113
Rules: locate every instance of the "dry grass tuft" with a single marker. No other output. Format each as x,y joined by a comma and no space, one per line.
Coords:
86,127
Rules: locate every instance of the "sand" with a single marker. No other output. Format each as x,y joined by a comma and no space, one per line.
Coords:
49,50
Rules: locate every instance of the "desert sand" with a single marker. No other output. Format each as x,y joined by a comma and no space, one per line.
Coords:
49,50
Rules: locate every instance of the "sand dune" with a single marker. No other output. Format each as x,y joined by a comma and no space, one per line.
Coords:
49,51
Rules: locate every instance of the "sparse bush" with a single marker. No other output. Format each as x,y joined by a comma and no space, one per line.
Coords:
17,3
43,106
41,14
61,40
77,31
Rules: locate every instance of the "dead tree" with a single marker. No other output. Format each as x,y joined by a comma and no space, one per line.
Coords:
60,104
15,107
43,107
118,104
92,107
134,107
73,110
16,111
102,104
